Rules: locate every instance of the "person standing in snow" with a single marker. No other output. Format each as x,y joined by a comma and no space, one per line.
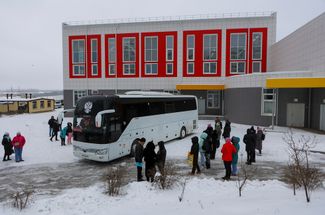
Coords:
161,157
55,130
60,120
217,121
18,143
215,138
253,132
138,156
69,133
235,142
195,153
6,142
227,151
204,148
63,133
249,140
260,136
50,122
226,130
150,158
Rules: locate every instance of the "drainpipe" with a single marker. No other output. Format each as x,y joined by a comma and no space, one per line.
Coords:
309,108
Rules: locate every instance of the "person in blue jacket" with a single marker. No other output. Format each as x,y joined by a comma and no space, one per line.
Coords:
235,142
63,133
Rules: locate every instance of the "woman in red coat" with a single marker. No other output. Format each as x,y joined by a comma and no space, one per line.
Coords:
18,143
227,150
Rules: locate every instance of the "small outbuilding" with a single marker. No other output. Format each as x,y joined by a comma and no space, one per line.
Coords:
26,105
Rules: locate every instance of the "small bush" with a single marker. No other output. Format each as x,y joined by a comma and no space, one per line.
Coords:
114,179
167,178
22,197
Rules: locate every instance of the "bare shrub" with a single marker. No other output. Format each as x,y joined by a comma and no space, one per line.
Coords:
299,172
245,173
22,197
167,178
114,180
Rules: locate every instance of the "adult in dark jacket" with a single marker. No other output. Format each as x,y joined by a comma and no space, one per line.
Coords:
150,158
215,139
56,129
226,130
195,153
6,142
249,140
253,131
260,136
161,157
217,121
50,122
138,156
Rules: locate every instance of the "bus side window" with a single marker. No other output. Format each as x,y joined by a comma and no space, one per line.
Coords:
169,107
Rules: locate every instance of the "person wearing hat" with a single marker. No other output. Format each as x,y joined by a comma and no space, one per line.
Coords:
138,155
235,142
6,142
161,157
18,143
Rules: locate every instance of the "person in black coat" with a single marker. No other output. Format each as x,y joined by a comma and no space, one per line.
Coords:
6,142
50,122
249,140
56,129
253,132
226,130
150,158
195,153
138,155
161,157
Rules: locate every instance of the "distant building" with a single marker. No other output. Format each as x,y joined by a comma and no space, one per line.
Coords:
231,62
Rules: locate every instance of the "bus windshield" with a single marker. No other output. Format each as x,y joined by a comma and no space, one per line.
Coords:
84,129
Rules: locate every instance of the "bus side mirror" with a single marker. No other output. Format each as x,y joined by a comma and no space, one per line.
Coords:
99,116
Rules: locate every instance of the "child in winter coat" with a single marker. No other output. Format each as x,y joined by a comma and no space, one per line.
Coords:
227,151
226,130
69,133
150,158
195,153
6,142
63,133
235,142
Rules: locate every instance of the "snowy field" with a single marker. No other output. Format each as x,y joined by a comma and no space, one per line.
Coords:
205,195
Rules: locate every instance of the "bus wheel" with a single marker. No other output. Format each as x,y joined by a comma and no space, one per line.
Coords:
183,133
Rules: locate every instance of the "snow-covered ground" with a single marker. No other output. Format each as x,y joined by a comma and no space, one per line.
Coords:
205,195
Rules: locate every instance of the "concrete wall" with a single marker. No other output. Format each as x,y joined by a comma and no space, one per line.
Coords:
243,105
301,50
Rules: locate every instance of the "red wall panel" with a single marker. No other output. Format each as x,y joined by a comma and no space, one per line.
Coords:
71,38
99,53
264,48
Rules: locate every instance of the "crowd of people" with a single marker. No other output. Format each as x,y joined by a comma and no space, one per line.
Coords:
55,126
15,145
205,147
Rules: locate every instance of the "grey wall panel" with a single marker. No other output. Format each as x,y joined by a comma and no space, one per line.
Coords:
318,98
286,96
243,105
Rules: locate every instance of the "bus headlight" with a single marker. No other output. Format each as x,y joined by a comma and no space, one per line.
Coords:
101,152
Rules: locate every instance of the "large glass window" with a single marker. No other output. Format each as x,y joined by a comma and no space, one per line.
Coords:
128,49
238,46
111,56
94,57
190,47
151,49
257,46
78,57
237,67
169,48
213,99
210,46
77,94
268,99
209,67
129,69
151,68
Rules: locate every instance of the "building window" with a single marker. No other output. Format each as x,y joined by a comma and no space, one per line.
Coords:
169,48
190,47
42,104
151,69
49,104
213,99
256,66
209,67
129,69
169,68
210,47
237,67
78,57
111,69
34,103
268,99
190,68
111,56
257,46
238,46
77,94
94,57
151,49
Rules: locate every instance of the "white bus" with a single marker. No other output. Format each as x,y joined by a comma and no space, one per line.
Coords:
104,127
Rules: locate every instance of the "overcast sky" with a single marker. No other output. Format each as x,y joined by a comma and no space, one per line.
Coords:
31,32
